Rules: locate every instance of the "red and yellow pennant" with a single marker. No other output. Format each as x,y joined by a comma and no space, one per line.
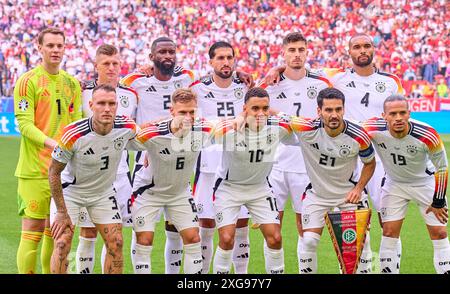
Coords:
348,231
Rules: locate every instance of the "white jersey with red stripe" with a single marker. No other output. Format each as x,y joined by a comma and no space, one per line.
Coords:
364,95
127,100
414,158
330,162
154,95
172,158
248,157
295,98
92,159
215,103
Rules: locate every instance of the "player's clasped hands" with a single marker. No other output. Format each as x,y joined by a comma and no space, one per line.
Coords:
440,213
61,223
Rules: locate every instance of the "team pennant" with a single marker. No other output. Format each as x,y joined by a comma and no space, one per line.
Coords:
348,231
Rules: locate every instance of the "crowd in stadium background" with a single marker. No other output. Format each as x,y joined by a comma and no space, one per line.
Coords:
411,37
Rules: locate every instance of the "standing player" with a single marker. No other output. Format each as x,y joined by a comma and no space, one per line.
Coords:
154,102
46,99
91,150
295,94
331,146
107,64
365,88
416,169
172,147
220,95
241,179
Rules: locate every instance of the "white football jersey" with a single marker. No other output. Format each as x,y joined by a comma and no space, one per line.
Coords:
248,157
172,158
330,162
295,98
413,158
364,96
92,159
154,95
127,100
215,103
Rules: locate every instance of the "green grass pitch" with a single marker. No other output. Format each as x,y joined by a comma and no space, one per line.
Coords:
417,247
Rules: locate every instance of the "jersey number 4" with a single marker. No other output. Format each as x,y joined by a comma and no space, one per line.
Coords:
365,100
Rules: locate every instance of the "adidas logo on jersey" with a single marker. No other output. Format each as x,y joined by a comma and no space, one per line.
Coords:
85,271
117,216
241,144
281,96
151,89
245,255
165,151
351,84
89,152
176,263
209,95
382,145
315,145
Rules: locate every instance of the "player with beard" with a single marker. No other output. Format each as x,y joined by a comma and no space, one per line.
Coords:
220,95
295,94
154,101
365,88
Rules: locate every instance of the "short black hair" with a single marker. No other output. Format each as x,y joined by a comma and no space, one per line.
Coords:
330,93
294,37
359,35
256,92
159,40
395,97
217,45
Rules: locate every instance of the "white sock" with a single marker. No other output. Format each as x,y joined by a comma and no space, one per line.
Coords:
193,261
365,261
143,259
399,252
308,253
173,252
133,248
222,261
102,258
265,247
207,235
299,245
388,255
85,255
274,261
241,251
441,256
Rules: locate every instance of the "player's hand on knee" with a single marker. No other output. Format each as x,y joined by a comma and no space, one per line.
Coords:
61,223
440,213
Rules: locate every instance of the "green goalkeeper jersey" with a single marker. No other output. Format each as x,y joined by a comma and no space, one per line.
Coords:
43,105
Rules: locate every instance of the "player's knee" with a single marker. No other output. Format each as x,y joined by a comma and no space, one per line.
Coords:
242,223
88,233
62,246
439,234
389,231
192,239
115,243
274,240
227,239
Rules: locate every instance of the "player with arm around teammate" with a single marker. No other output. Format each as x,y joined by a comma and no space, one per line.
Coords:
82,173
416,166
241,179
331,146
